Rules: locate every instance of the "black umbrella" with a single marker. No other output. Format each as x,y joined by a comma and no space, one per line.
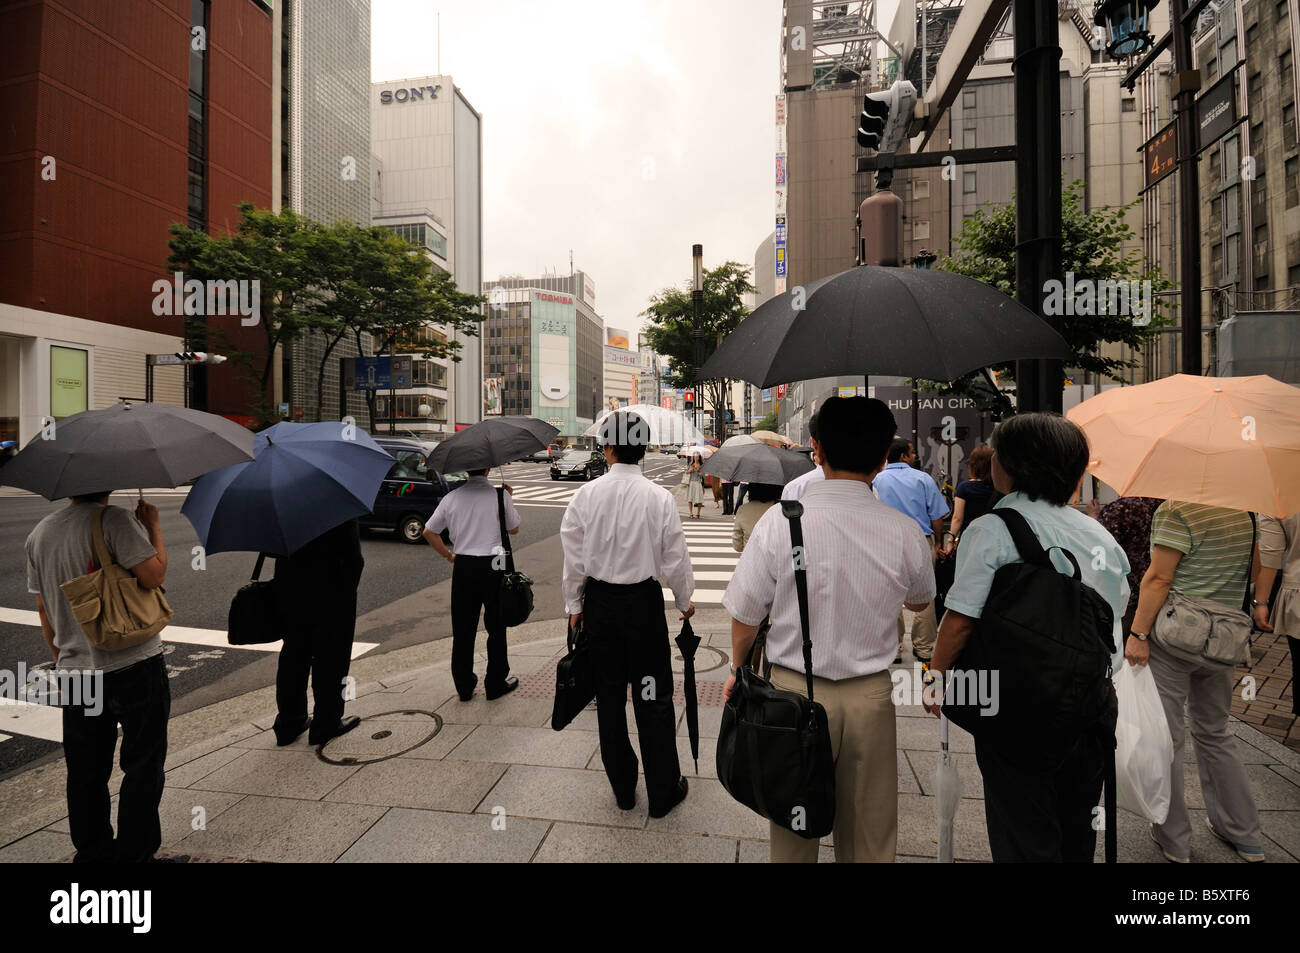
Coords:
687,642
126,447
495,441
757,463
907,322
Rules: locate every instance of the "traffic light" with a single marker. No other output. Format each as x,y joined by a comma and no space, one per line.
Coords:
689,400
885,117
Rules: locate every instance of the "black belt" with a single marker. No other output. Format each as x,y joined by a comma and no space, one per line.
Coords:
600,585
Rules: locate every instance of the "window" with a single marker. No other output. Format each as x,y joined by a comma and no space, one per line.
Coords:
1283,11
968,99
920,188
1211,70
1128,104
1261,238
968,182
1284,68
1232,272
1216,209
1292,176
968,137
920,230
1293,276
1252,36
1216,174
1216,262
1231,158
1231,208
1257,141
1288,126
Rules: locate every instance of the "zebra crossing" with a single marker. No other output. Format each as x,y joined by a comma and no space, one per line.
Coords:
712,559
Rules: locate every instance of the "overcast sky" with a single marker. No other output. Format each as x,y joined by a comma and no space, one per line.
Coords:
625,130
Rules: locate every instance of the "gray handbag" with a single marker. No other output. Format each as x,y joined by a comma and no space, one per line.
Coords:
1202,630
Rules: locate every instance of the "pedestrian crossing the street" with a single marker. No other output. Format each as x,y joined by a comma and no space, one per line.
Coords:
712,559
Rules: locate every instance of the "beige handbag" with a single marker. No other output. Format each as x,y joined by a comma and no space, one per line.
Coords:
114,610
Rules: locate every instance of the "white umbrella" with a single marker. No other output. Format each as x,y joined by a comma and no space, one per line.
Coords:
739,440
667,427
947,789
699,450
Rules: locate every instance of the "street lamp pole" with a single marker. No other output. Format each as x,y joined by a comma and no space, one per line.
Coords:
697,302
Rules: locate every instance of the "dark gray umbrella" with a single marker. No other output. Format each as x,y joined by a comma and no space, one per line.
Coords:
687,642
126,447
908,322
495,441
757,463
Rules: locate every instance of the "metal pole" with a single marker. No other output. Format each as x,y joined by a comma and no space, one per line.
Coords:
1186,82
1038,185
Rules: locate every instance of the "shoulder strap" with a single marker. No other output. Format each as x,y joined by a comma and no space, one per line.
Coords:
97,542
257,569
1250,565
792,510
505,535
1022,535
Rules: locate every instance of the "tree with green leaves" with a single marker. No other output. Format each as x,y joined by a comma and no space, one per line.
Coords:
671,332
1095,248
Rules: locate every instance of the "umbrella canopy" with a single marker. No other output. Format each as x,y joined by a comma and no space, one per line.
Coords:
757,464
771,438
1222,441
126,447
667,427
494,441
687,642
947,787
910,322
739,440
697,450
305,479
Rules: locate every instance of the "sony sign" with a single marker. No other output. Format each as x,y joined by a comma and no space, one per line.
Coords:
406,95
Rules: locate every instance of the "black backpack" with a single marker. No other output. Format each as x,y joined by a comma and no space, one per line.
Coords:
1048,638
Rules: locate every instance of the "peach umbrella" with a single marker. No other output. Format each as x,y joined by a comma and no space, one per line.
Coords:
1221,441
771,438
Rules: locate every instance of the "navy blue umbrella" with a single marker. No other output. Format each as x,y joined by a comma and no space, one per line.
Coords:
304,479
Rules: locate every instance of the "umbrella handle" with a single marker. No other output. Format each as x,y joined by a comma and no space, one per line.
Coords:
943,731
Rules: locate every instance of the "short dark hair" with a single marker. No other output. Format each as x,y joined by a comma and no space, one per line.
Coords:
855,433
980,463
764,492
812,427
1044,454
482,472
628,433
899,448
99,497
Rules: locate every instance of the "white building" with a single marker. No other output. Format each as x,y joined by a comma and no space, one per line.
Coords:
428,186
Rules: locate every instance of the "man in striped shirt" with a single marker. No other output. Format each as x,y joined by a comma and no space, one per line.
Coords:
864,562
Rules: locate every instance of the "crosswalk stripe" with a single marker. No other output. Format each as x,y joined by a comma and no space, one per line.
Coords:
33,721
710,576
711,597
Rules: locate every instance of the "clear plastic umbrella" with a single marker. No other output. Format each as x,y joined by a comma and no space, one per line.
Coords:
947,789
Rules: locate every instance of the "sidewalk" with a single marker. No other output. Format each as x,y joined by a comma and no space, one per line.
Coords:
427,777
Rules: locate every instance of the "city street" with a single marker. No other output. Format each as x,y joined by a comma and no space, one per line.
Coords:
204,669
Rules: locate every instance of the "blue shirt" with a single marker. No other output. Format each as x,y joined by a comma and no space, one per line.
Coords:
986,547
912,492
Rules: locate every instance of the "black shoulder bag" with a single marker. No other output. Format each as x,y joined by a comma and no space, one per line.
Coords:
516,596
255,612
774,747
575,680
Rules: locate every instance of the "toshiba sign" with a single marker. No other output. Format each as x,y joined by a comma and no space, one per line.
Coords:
559,299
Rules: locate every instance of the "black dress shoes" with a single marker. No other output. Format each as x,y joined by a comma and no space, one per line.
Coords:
466,696
678,796
506,688
341,727
288,736
626,803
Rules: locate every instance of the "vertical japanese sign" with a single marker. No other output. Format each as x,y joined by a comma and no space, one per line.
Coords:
782,180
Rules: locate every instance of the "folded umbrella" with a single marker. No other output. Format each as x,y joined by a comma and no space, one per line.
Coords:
126,447
757,463
305,479
1222,441
947,789
909,322
687,642
491,443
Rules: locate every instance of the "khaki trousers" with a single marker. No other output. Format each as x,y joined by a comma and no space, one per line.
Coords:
864,743
925,631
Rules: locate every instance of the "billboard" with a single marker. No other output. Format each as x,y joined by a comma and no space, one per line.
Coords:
621,357
617,337
588,290
492,395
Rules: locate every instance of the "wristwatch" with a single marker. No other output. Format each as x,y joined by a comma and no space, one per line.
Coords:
1256,605
1140,636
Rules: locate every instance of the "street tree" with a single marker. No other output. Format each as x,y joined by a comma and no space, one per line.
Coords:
671,332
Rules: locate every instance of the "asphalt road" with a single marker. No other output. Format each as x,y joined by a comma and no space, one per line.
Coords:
205,674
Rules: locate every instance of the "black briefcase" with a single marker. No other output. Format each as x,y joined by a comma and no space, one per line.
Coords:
515,599
256,611
774,746
575,681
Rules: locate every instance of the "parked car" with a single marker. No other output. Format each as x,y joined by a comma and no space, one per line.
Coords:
411,491
579,463
549,455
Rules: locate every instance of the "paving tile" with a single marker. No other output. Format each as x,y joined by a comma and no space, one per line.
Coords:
562,794
917,734
42,847
383,735
710,722
200,768
420,783
546,648
1283,829
175,759
708,757
283,773
759,852
581,843
440,744
282,830
709,809
178,815
523,712
918,829
506,744
404,835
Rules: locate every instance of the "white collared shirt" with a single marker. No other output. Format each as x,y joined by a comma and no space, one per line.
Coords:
469,515
796,488
623,529
863,561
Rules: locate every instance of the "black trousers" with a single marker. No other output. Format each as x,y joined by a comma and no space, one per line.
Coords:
476,585
1042,816
628,635
728,499
324,652
139,699
740,496
1294,643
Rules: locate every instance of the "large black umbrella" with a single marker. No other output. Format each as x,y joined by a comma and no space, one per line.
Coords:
687,642
495,441
907,322
757,463
126,447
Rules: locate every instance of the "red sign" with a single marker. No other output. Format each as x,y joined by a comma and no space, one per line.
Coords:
780,391
543,296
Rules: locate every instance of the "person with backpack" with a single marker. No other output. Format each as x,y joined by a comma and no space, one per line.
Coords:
1048,642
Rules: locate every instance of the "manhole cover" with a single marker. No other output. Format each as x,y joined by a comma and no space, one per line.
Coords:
707,658
380,737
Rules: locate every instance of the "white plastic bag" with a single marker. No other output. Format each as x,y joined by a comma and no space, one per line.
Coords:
1144,751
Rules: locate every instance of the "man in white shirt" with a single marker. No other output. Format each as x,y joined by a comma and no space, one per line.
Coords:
621,534
864,562
471,517
795,489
